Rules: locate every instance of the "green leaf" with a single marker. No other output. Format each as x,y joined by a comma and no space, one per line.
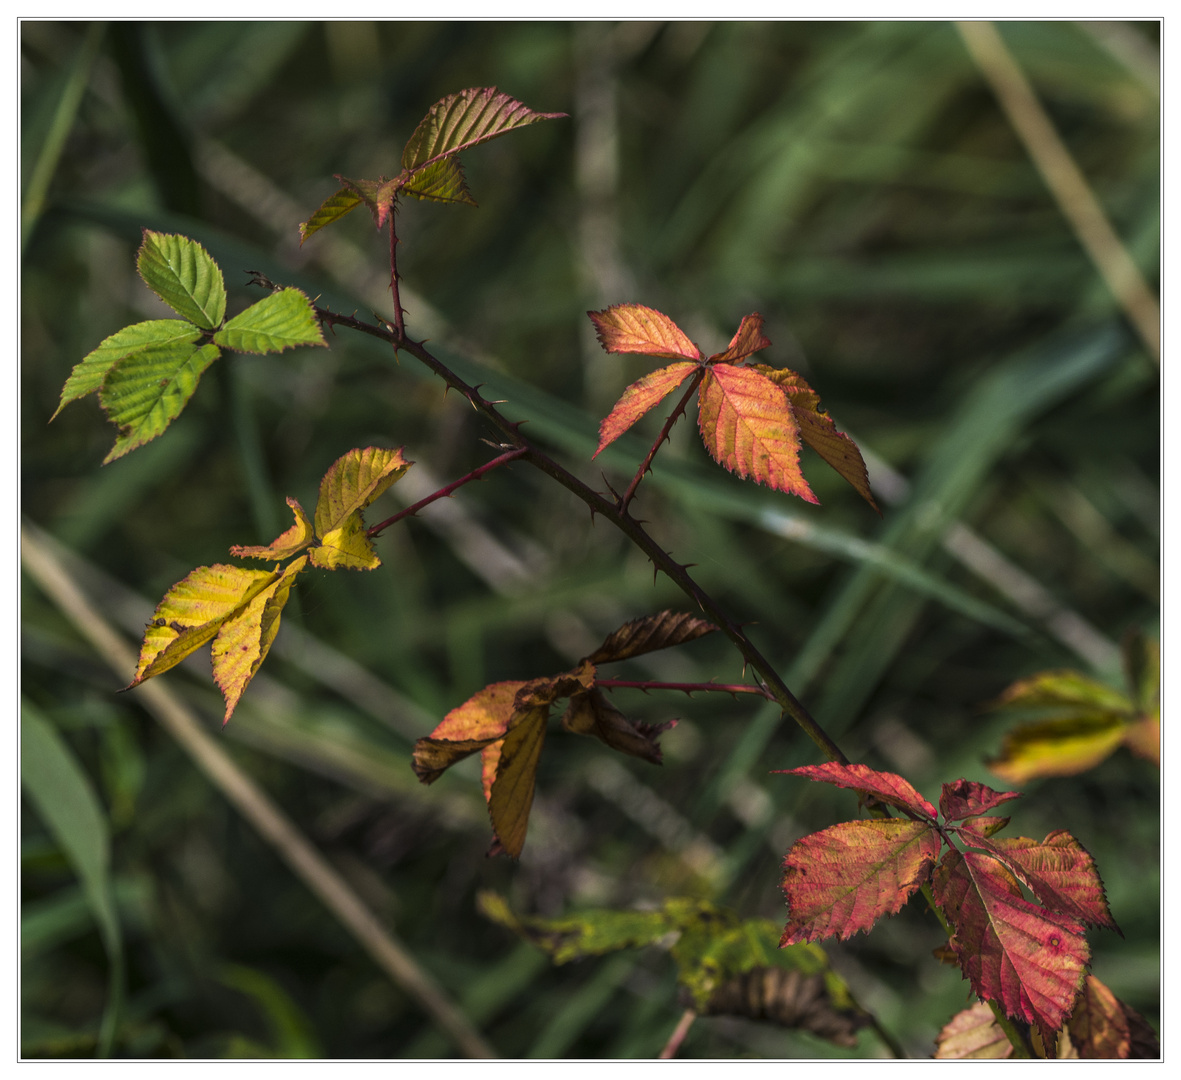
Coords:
280,321
441,182
183,274
146,391
461,120
89,373
331,209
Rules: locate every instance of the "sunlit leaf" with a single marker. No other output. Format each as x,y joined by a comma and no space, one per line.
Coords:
244,640
183,274
331,209
639,398
442,181
282,320
353,482
842,879
194,610
746,340
747,425
480,720
89,373
293,541
818,430
887,787
466,119
144,392
634,328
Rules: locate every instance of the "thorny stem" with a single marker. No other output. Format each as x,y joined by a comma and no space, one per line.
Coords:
688,688
399,325
445,492
646,464
632,529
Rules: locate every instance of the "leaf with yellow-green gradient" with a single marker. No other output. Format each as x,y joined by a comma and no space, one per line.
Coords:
331,209
441,182
747,425
354,481
346,548
244,640
194,610
293,541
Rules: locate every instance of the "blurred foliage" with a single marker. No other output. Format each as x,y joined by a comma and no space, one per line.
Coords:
857,184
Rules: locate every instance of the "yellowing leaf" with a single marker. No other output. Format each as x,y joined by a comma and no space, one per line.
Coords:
819,431
245,639
331,209
441,182
973,1034
193,611
639,398
746,340
633,328
290,543
747,425
346,548
511,797
1057,747
479,721
354,481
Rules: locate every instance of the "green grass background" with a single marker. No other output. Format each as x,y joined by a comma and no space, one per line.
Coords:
854,182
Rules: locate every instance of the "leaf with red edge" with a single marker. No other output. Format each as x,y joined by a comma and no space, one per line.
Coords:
294,540
634,328
1029,960
639,398
1059,872
479,721
463,120
818,430
378,195
967,798
660,631
885,786
973,1034
747,339
846,877
747,425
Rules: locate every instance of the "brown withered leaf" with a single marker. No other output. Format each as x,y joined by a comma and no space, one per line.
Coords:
592,714
660,631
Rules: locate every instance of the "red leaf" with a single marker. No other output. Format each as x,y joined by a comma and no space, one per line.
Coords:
639,398
747,425
748,339
1059,872
844,878
633,328
1028,960
885,786
967,798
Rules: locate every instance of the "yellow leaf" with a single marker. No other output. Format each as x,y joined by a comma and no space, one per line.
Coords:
193,611
245,639
355,480
347,547
511,797
290,543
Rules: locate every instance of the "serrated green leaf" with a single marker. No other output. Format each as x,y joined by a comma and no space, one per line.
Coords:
465,119
145,392
282,320
441,182
183,274
89,373
331,209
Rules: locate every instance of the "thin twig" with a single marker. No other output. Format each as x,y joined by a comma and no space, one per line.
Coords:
444,492
254,804
1065,180
678,1036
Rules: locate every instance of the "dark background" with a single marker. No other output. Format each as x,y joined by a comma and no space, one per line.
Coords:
857,184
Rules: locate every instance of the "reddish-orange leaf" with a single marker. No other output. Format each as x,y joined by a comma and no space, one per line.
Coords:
1059,872
660,631
1027,959
747,425
973,1034
639,398
844,878
511,797
289,543
633,328
748,339
967,798
819,431
245,639
478,722
888,787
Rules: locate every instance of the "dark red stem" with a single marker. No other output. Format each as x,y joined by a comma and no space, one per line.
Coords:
688,688
646,464
399,324
444,492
